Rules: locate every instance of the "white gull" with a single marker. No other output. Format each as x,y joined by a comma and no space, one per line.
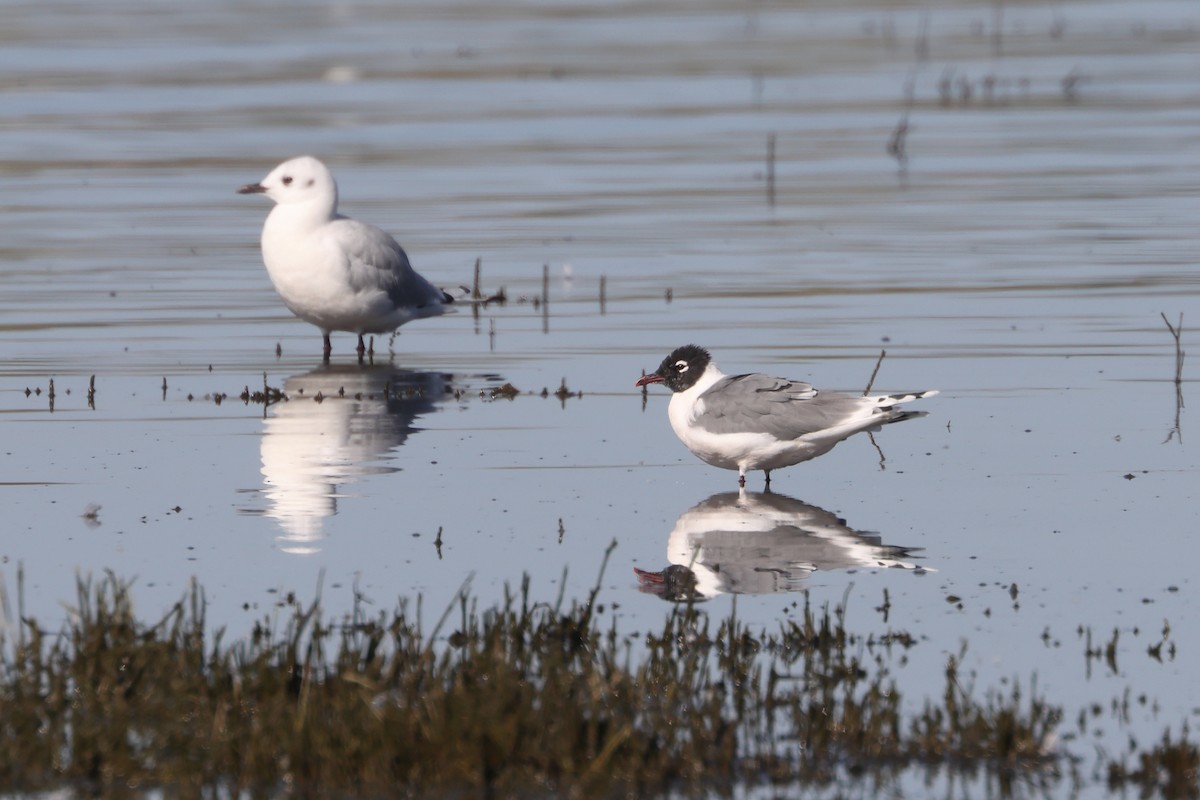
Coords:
333,271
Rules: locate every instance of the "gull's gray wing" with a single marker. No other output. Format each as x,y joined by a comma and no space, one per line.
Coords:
785,409
377,261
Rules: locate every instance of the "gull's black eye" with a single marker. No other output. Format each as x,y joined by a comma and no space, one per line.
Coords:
287,180
681,366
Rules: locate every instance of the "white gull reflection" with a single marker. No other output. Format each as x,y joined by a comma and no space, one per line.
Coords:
338,424
761,543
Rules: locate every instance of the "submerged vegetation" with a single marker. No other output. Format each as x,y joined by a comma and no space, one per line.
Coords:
528,699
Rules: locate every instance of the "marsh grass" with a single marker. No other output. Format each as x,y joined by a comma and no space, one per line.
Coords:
527,699
1169,769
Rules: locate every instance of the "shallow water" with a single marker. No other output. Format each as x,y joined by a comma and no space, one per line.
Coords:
1019,262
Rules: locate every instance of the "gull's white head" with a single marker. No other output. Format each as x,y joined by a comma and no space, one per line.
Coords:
297,180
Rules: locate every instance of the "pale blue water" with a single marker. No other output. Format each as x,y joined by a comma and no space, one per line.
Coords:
1019,264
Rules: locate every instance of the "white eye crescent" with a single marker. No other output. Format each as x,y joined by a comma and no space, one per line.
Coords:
681,366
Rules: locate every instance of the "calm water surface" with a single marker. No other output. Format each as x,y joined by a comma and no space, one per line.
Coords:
1018,260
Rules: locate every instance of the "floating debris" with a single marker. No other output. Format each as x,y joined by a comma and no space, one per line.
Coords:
562,393
91,515
1070,85
476,292
268,395
507,391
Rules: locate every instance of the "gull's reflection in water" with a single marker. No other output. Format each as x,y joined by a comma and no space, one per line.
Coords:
760,543
338,424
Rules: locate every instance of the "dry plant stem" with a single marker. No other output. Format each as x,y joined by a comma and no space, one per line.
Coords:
866,391
896,143
879,450
874,372
997,29
1176,334
771,170
545,298
896,146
